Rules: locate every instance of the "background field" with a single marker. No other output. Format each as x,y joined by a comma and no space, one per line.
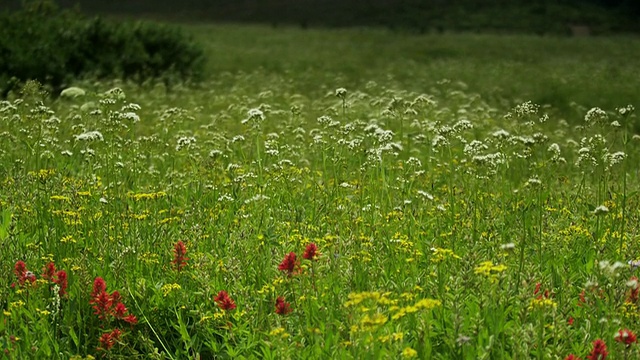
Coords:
505,70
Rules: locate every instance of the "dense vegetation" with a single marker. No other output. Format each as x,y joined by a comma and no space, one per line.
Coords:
56,47
316,199
539,17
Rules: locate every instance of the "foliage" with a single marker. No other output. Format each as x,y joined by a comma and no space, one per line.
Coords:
512,16
56,46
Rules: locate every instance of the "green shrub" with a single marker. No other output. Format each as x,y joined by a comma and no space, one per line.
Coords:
54,46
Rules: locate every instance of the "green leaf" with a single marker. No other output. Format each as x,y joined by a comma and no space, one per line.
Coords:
5,224
74,337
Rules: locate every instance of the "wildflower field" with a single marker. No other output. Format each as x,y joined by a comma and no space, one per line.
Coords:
326,212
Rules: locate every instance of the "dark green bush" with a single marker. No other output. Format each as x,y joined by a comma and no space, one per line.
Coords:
55,46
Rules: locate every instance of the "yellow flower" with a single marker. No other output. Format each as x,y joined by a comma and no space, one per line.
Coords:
279,332
60,198
487,269
542,303
440,255
409,353
168,288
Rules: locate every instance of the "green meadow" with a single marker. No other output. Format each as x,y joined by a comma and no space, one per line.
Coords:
330,194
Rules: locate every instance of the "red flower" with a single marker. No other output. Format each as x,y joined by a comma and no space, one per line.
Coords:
224,301
289,263
115,297
131,319
582,299
61,280
282,307
570,321
179,256
102,305
49,271
626,337
23,275
311,252
120,311
20,268
106,342
99,286
572,357
599,351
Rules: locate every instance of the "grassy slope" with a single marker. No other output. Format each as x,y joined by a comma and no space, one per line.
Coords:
545,70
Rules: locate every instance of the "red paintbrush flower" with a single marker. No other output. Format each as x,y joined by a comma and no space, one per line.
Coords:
282,307
116,297
120,311
23,275
572,357
131,319
179,256
102,305
61,280
106,342
99,286
311,252
626,337
224,301
289,263
49,271
599,351
20,268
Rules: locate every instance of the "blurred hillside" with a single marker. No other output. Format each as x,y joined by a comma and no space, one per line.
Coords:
508,16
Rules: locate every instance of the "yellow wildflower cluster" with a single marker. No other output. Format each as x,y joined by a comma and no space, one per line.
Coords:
397,336
147,196
542,303
169,288
68,239
60,198
149,258
424,304
409,353
488,269
42,175
370,323
379,298
630,312
279,332
439,255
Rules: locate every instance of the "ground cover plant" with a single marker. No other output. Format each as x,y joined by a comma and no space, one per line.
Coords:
249,219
